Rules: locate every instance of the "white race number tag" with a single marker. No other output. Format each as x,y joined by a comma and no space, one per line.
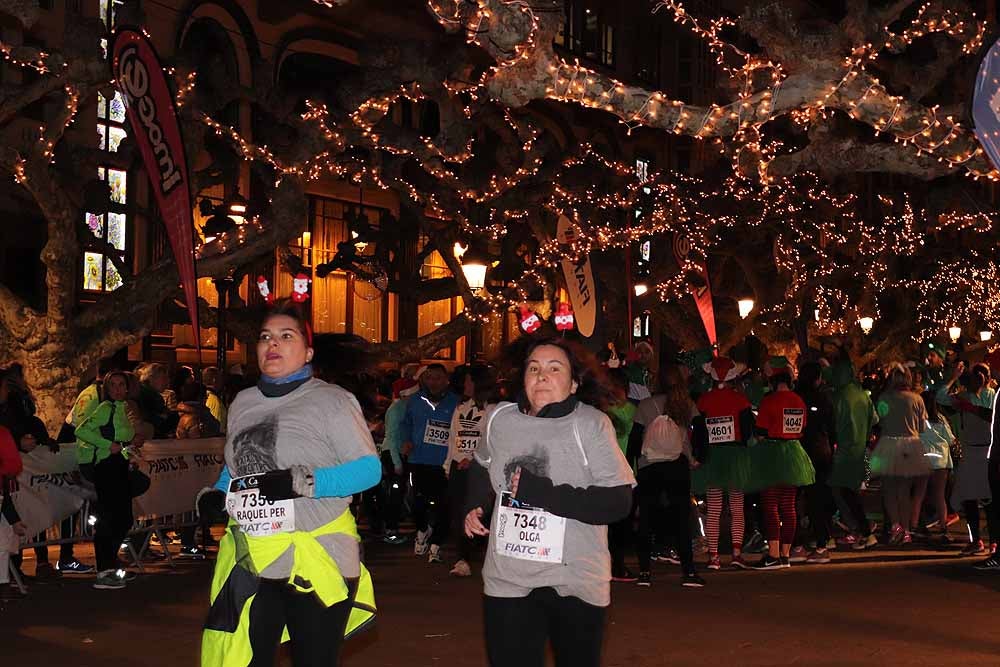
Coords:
793,421
467,441
256,515
528,533
436,433
721,429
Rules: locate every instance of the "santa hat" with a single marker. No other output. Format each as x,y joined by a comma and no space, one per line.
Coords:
404,387
723,369
777,364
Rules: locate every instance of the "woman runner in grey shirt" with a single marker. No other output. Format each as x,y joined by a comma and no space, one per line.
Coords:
552,471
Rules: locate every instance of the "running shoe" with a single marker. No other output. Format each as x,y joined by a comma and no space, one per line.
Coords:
45,572
831,544
768,563
907,538
109,580
692,580
461,569
897,534
976,548
848,540
819,557
714,563
798,555
74,567
785,562
668,557
865,543
435,554
420,544
191,553
738,563
755,544
623,576
952,519
645,580
991,563
395,538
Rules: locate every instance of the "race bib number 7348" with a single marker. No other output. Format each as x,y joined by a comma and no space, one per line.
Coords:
528,533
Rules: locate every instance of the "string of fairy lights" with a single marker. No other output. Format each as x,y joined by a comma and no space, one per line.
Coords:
827,254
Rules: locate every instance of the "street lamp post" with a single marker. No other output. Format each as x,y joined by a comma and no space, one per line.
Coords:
222,287
475,264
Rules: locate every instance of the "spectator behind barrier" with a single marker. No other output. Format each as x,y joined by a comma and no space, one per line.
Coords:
215,387
195,419
153,378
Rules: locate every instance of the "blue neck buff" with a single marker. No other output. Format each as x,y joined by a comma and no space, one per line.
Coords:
279,386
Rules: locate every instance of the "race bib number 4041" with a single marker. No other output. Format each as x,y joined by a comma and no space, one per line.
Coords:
256,515
793,421
528,533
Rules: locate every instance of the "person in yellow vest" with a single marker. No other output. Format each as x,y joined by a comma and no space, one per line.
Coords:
289,565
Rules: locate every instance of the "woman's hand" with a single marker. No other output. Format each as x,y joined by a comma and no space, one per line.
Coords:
464,464
20,529
474,525
28,443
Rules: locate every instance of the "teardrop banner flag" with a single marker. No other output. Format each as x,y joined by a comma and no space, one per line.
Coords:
579,281
139,77
986,104
702,293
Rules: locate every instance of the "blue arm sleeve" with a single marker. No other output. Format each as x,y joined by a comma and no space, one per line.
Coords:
224,478
348,478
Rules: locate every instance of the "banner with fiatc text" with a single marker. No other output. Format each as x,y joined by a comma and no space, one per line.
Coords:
50,487
139,76
701,292
579,281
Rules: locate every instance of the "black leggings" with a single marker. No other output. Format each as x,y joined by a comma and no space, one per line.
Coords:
517,630
458,482
668,481
430,488
114,508
316,632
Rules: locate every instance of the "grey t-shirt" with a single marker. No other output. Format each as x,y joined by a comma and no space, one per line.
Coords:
579,449
317,425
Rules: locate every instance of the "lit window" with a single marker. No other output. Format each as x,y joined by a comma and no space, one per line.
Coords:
434,314
641,168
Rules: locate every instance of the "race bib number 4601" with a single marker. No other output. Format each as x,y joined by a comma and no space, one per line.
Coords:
436,433
256,515
721,429
528,533
793,421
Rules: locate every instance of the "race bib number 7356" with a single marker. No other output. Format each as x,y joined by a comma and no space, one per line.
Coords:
256,515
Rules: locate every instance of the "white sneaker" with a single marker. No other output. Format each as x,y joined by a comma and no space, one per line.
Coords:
435,555
420,544
461,569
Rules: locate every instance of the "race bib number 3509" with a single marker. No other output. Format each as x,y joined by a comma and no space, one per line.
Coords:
528,533
793,421
256,515
437,433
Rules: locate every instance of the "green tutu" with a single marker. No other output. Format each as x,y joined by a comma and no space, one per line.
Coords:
726,467
779,463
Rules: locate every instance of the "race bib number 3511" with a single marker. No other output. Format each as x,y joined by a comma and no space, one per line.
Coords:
793,421
256,515
528,533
